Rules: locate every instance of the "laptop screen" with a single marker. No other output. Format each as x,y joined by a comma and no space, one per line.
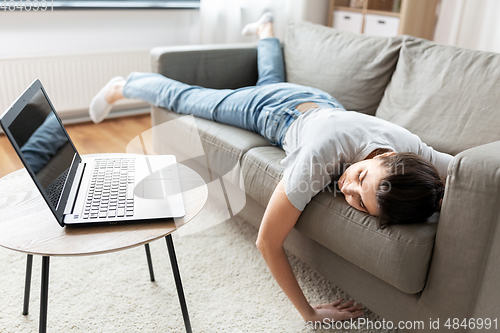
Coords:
44,144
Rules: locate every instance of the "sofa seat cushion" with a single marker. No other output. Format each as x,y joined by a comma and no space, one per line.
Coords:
355,69
262,171
446,95
399,255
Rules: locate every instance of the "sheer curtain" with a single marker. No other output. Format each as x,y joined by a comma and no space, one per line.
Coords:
221,21
472,24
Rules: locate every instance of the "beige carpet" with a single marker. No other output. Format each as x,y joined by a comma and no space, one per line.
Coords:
227,284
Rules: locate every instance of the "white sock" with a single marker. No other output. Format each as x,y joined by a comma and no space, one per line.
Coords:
251,28
99,107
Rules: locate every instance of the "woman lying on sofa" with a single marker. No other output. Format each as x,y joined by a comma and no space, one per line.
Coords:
391,173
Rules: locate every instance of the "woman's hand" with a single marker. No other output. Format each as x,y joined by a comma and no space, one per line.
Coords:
336,311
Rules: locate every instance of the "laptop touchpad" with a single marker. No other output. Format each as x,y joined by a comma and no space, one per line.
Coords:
157,188
154,188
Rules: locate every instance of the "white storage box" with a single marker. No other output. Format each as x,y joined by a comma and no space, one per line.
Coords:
348,21
380,25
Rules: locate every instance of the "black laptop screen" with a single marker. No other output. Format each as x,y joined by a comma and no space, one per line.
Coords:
43,144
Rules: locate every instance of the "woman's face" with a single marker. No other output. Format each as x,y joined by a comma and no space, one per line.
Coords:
360,182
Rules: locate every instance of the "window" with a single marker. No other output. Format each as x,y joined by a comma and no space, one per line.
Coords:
124,4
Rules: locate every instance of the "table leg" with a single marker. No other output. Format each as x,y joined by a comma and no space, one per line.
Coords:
44,295
178,283
150,262
27,284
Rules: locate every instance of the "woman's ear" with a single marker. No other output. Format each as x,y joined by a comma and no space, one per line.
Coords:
390,153
438,208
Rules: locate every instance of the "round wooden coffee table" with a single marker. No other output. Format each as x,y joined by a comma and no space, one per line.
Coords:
28,226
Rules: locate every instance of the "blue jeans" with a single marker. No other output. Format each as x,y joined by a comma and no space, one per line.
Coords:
269,108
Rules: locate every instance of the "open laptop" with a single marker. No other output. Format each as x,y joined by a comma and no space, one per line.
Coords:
82,190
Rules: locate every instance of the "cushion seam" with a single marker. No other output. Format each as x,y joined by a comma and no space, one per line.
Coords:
258,166
218,145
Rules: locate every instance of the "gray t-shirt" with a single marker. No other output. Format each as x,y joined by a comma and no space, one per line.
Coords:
321,141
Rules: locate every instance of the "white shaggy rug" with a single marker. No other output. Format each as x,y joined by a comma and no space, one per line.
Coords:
227,284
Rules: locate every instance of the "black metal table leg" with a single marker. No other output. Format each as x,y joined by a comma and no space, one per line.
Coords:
27,284
44,295
150,263
178,283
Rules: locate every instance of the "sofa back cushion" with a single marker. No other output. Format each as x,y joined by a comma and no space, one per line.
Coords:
447,95
355,69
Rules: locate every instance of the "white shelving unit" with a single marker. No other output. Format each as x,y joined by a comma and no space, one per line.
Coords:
385,17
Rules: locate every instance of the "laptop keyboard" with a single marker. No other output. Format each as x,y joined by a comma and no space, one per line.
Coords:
111,191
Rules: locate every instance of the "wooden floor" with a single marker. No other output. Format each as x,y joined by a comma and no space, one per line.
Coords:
110,136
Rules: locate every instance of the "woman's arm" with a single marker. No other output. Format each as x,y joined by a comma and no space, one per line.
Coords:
279,219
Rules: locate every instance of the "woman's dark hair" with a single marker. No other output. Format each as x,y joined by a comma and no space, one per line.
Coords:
411,191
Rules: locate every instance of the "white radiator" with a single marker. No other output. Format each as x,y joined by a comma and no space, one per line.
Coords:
70,81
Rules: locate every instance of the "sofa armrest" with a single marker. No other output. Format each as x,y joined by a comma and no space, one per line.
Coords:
225,66
464,273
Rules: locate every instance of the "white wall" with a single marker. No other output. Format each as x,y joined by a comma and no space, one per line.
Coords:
222,20
60,32
60,49
93,31
30,37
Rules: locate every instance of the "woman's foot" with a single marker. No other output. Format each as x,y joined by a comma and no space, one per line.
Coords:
101,104
262,27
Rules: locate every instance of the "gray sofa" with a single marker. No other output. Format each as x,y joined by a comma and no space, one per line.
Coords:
446,268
